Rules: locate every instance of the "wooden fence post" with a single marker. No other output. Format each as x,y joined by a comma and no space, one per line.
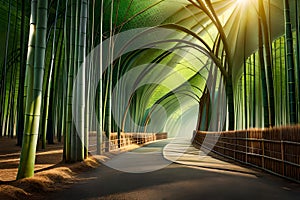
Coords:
282,153
235,144
263,150
246,150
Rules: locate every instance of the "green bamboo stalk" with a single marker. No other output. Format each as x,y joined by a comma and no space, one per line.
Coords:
49,82
75,139
69,120
274,59
51,130
88,71
15,69
280,71
74,136
9,130
290,64
245,80
298,52
230,101
12,129
64,81
34,93
81,84
2,115
263,76
100,116
254,93
30,54
268,66
119,109
57,111
245,94
20,113
107,101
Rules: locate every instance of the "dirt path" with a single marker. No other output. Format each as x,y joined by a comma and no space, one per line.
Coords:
50,173
10,158
177,181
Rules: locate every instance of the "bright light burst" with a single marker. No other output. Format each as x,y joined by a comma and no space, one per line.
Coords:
242,1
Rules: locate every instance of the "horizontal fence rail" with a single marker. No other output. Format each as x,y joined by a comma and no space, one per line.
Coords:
276,150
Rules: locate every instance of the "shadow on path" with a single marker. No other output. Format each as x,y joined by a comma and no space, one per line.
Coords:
178,181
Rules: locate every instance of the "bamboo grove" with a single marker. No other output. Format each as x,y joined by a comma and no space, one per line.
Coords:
249,48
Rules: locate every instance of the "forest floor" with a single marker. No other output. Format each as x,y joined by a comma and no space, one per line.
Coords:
51,173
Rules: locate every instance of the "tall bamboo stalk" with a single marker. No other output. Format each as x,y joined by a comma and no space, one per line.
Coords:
20,113
49,82
268,62
81,84
254,93
57,97
290,64
263,76
2,100
245,80
245,94
100,116
298,52
51,130
34,93
67,52
69,120
108,100
281,81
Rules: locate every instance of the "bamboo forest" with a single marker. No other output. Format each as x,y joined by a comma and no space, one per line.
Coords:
149,99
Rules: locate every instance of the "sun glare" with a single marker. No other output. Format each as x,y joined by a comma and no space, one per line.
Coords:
241,1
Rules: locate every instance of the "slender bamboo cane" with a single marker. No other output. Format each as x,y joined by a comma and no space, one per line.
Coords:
20,113
9,124
281,81
254,92
245,79
107,101
67,52
81,85
69,121
3,98
100,107
49,82
51,130
58,98
88,83
268,61
297,5
290,64
263,76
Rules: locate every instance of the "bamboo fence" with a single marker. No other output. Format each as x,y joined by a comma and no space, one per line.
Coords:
126,139
276,150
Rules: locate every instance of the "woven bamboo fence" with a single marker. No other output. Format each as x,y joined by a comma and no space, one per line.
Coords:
126,139
276,150
134,138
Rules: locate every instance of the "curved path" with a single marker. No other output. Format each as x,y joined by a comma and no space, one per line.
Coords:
194,176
